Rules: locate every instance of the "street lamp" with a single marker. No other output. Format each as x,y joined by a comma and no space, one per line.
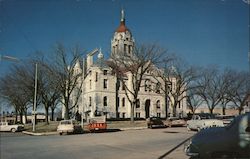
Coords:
34,107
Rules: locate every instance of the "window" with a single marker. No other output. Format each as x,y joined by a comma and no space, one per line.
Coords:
137,115
158,87
105,72
123,86
158,115
105,83
90,101
96,76
146,85
90,84
118,101
137,103
105,101
158,104
125,48
123,115
123,102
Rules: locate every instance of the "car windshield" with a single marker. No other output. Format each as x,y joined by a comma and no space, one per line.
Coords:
207,116
67,122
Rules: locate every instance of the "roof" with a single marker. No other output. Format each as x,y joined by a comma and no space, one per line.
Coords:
122,27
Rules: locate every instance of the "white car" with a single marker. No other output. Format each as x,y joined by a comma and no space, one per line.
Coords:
202,121
5,126
68,127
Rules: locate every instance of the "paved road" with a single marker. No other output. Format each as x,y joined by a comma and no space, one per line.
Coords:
130,144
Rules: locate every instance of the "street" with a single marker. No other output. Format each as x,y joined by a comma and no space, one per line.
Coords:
132,144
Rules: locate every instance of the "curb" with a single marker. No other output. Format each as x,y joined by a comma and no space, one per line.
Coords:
133,128
40,134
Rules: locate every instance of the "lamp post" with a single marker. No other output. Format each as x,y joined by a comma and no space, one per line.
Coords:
34,107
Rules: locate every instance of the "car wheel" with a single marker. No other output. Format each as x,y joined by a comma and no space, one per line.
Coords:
13,130
198,129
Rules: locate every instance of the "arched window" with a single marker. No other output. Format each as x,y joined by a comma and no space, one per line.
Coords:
105,101
158,104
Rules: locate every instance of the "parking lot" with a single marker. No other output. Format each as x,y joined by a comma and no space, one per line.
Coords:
133,144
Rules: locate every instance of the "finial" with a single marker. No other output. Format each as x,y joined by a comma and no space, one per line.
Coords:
122,15
100,55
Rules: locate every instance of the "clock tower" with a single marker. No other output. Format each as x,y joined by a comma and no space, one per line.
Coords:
122,42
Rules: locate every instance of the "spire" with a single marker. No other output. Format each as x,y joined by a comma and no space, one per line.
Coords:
122,16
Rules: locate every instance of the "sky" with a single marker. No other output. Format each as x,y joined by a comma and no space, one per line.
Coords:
203,32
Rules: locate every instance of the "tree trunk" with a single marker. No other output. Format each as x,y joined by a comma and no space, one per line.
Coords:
66,115
166,105
47,115
52,113
132,112
223,110
25,115
211,110
16,115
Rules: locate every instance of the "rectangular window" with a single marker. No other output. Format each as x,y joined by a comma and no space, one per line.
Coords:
105,72
118,101
96,76
138,115
90,84
105,83
105,101
123,115
158,115
125,48
123,86
90,101
123,102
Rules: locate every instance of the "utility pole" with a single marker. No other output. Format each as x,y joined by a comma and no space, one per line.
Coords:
34,106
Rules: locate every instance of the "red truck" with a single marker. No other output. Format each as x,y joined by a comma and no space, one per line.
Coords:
97,124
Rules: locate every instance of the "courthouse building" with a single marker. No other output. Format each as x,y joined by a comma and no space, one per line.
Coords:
102,93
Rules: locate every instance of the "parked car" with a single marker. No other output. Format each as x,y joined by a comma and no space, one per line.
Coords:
232,141
175,121
68,127
5,126
154,122
202,121
227,119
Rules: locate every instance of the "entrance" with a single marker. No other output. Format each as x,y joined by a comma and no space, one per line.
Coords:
147,108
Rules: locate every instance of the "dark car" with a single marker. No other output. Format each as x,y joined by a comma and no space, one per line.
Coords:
154,122
232,141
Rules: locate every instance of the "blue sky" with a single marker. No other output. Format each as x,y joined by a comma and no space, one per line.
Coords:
203,32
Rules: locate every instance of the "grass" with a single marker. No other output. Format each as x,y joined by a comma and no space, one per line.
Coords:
43,127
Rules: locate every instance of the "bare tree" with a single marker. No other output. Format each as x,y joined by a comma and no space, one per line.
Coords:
15,87
194,101
178,78
49,91
70,80
240,89
211,87
228,79
130,69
